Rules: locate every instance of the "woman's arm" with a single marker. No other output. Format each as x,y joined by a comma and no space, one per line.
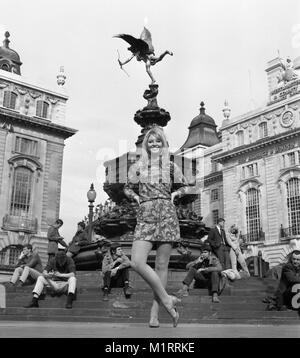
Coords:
133,178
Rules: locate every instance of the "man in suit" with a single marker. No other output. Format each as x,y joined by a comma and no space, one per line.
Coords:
217,240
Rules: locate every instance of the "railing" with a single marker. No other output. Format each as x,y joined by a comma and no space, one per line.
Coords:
19,223
253,236
289,231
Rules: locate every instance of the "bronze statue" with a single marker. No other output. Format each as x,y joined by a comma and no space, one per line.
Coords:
143,50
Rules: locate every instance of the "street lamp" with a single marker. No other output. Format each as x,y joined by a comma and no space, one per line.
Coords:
91,196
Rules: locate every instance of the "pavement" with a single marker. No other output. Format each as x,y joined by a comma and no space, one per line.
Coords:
21,329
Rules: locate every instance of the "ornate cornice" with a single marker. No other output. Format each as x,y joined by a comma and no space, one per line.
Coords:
213,178
262,143
65,132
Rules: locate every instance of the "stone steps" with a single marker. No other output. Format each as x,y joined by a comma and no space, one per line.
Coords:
240,303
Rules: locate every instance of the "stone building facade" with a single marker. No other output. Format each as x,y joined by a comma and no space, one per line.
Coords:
261,168
32,137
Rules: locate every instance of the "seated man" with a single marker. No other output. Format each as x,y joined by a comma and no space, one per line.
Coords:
290,275
59,275
115,270
28,266
80,239
206,270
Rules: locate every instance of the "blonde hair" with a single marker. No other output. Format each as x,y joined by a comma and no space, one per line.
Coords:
157,132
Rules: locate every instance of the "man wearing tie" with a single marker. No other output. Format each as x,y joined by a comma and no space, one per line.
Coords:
217,240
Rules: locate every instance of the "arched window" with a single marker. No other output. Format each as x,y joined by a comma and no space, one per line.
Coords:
9,256
42,109
21,191
252,215
240,138
263,130
9,100
293,205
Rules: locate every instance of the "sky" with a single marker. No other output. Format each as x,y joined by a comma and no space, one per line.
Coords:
221,50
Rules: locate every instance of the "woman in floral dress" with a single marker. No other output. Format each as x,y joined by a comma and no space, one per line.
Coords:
157,224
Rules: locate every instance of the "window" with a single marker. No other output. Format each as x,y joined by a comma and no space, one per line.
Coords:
10,255
214,166
252,214
263,130
291,158
214,194
9,100
215,214
26,146
240,138
293,205
42,109
21,192
249,171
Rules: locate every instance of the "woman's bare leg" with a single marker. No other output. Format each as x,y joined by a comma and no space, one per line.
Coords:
139,255
163,254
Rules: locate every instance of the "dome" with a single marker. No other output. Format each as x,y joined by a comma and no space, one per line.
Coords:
202,131
202,118
9,59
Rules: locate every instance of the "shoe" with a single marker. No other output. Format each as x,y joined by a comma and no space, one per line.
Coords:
182,293
215,298
33,304
127,291
153,323
69,303
173,310
20,283
105,294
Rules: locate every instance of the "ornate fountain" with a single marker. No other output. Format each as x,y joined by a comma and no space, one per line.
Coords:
118,223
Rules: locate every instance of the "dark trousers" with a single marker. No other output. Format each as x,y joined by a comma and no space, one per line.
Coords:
222,254
209,279
119,280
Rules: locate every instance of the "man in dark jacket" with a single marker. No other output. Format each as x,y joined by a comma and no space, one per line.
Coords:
59,275
54,238
206,270
115,271
290,276
80,239
29,265
217,240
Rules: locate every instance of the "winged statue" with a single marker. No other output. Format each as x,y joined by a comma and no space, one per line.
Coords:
142,48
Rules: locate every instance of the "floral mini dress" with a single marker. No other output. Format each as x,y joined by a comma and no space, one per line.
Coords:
156,217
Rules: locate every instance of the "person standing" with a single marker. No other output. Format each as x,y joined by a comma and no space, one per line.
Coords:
157,224
217,240
54,238
235,252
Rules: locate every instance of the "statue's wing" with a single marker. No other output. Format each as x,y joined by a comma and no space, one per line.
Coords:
146,36
135,44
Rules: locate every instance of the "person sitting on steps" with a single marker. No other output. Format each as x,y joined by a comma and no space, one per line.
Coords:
115,271
80,239
205,270
59,275
29,266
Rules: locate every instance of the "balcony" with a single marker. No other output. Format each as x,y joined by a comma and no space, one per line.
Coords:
257,236
20,223
289,232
